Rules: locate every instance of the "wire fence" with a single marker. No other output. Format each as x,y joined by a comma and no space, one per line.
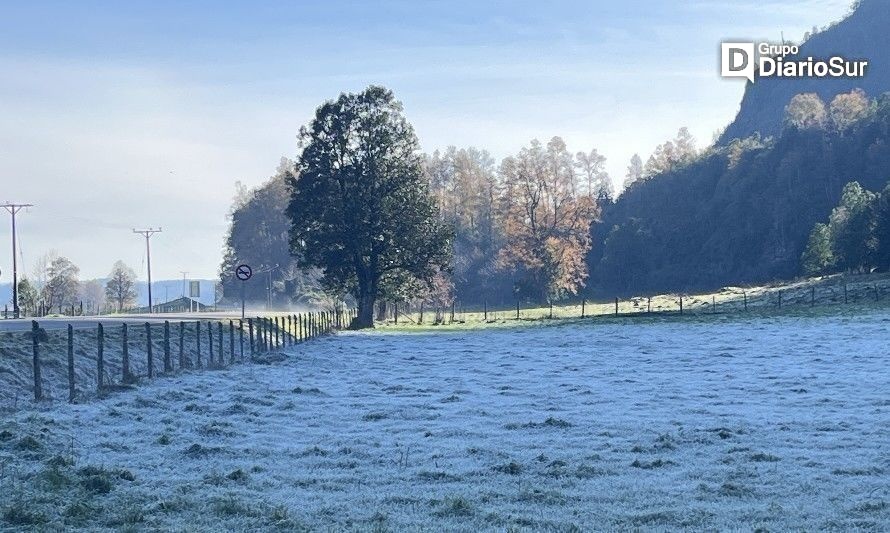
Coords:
806,294
75,362
56,361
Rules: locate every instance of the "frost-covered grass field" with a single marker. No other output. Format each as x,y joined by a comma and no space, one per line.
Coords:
727,422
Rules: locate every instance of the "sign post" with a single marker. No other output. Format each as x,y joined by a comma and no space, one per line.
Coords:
243,273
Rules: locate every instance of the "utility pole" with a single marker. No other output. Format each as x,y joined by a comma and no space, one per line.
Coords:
13,209
184,275
269,286
184,282
147,233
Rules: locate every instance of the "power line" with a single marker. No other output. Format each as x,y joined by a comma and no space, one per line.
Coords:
13,209
147,233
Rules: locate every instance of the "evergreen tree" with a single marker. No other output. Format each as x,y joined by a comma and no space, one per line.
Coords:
634,171
360,207
28,296
881,230
817,258
851,228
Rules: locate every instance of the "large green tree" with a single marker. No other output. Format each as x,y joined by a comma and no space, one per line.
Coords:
360,205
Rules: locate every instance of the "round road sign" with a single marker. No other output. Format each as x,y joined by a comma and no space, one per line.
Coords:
243,272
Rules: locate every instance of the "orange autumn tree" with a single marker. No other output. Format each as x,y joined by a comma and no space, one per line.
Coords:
546,221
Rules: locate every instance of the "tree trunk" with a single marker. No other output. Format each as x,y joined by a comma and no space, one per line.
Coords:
365,317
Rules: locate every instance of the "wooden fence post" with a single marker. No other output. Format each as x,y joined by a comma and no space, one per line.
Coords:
222,359
35,340
713,304
616,306
125,355
681,305
273,330
182,345
151,360
260,334
231,342
71,391
551,309
812,296
845,292
583,304
168,363
649,305
517,309
100,357
267,341
210,359
745,296
780,298
250,334
290,330
198,344
241,337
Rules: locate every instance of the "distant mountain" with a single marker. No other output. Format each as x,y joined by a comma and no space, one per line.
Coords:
864,34
162,291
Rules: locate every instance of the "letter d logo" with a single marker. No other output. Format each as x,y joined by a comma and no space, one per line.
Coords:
737,60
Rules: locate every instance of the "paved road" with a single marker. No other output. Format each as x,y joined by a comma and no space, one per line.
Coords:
49,323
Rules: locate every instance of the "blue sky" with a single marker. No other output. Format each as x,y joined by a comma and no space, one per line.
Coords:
129,114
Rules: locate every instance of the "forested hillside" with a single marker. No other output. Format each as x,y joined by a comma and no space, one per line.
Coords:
862,35
742,213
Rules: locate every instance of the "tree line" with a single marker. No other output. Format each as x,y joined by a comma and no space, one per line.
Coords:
519,228
56,285
362,214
